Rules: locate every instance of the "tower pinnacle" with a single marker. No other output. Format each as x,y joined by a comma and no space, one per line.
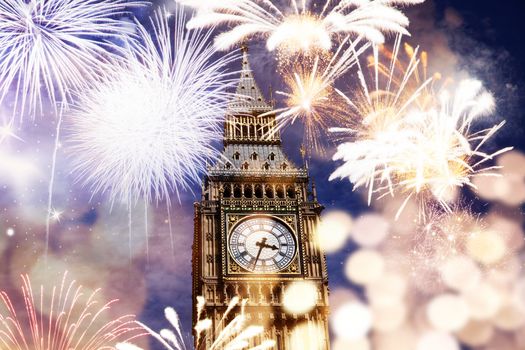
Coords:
249,99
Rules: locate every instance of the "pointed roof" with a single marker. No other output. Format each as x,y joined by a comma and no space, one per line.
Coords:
249,98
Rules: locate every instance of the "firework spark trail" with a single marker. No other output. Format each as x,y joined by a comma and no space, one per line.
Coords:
310,95
234,335
444,148
146,131
249,18
378,126
50,49
70,323
413,139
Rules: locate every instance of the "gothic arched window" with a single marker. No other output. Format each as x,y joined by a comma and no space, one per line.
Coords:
290,192
245,166
237,192
284,166
268,190
279,191
254,156
258,191
266,166
228,165
236,155
248,191
271,156
227,191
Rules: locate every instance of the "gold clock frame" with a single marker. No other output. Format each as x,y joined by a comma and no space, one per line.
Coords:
230,268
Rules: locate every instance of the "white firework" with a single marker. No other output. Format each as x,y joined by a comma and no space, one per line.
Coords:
51,48
237,334
413,140
299,29
147,130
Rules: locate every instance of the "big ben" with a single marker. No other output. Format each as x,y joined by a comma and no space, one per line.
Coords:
255,225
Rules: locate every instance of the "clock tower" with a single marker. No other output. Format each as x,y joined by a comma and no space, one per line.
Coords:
255,225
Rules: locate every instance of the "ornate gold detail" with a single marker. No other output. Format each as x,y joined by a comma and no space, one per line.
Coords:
233,266
293,267
233,219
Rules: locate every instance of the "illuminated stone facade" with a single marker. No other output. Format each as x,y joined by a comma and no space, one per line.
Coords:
255,225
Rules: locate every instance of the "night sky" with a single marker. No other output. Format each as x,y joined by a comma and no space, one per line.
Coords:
481,39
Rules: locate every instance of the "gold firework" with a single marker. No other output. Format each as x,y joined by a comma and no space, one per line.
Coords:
415,138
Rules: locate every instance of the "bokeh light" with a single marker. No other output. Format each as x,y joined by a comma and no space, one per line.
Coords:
300,297
486,247
448,312
351,321
364,266
484,302
370,230
460,273
333,230
437,341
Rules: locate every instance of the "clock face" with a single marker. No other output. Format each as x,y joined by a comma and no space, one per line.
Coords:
262,245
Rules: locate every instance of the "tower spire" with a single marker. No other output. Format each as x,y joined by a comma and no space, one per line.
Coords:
249,98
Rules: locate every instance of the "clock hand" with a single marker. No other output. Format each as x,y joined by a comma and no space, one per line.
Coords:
257,258
262,244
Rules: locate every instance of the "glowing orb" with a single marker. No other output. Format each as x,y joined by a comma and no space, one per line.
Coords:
352,321
460,273
448,312
486,247
10,232
484,302
300,297
510,318
370,230
437,341
333,230
390,288
364,266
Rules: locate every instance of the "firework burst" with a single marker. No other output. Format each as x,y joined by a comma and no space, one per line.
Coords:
280,27
234,335
51,48
71,321
413,137
147,130
310,95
